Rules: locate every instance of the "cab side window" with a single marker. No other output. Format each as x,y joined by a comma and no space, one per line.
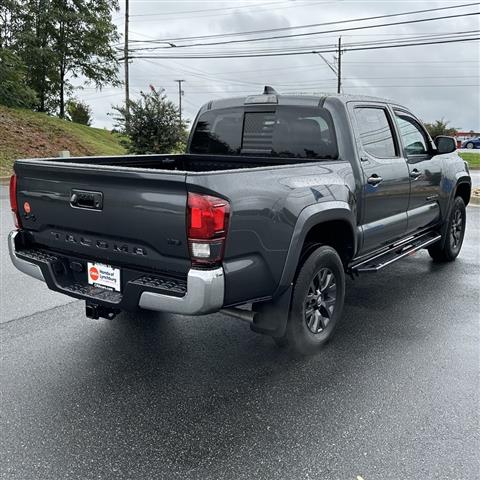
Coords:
413,138
375,132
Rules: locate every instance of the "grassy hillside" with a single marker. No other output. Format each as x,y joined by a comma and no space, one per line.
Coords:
26,134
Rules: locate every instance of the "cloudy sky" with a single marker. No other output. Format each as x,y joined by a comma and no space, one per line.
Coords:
435,81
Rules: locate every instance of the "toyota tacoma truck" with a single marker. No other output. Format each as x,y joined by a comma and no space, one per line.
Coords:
278,198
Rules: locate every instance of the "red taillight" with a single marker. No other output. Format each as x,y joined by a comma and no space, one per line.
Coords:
13,201
207,220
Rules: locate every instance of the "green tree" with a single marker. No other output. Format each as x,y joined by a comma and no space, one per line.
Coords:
14,91
83,40
62,40
440,127
79,112
153,125
10,22
33,43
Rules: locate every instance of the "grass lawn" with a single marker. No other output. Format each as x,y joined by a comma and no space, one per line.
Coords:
27,134
473,158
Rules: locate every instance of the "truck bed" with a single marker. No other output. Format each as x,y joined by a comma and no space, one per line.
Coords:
140,220
177,162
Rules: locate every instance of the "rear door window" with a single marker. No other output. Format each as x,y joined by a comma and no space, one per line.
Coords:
286,132
375,132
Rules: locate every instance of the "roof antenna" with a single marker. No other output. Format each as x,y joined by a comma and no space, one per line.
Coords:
268,90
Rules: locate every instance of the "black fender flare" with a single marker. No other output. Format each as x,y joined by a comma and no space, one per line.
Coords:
310,217
272,316
461,178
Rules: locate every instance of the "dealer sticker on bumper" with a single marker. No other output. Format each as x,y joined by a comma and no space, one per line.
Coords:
104,276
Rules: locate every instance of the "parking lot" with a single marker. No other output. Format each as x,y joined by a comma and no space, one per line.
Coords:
395,395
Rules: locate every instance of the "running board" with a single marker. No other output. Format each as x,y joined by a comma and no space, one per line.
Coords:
392,253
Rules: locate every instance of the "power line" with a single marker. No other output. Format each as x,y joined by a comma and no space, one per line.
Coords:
312,82
411,38
280,54
324,24
215,74
209,14
339,30
381,62
317,85
314,90
317,47
209,10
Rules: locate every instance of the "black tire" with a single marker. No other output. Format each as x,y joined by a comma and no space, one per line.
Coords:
315,312
469,145
454,234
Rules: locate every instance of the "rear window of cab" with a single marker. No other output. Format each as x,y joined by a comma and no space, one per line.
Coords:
286,132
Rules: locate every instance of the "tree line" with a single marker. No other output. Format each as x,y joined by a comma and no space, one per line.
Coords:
46,44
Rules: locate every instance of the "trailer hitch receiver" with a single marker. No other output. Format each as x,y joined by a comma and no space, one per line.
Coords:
95,311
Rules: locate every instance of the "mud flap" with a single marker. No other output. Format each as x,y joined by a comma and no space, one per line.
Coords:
271,317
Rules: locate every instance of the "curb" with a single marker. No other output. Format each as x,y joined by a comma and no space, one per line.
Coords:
475,197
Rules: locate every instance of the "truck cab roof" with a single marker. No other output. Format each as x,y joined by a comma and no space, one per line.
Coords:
271,97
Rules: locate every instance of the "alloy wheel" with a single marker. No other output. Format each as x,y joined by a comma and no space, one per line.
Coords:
456,229
319,304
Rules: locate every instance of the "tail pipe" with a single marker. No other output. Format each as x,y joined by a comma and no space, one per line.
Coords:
244,315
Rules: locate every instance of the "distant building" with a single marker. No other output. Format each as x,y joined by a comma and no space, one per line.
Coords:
462,136
466,135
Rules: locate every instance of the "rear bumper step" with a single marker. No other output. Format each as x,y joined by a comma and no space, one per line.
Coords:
202,291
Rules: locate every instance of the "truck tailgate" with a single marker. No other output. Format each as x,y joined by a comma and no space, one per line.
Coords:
115,215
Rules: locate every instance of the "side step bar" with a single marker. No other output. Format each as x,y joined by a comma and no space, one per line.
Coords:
392,253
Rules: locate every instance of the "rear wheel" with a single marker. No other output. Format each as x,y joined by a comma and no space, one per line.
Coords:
317,303
452,243
469,145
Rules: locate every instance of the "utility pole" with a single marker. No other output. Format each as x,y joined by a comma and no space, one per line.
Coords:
339,69
125,54
180,92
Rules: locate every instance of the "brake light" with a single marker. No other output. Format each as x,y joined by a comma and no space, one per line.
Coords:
207,220
13,201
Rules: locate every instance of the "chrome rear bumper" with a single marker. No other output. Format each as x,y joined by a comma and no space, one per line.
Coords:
205,292
205,288
22,265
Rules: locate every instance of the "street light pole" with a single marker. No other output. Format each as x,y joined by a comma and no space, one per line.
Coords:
336,70
180,98
125,54
339,69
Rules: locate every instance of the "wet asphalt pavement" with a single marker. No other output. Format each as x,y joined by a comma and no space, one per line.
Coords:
395,395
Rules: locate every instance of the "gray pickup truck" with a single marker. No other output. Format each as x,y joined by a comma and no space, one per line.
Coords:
276,200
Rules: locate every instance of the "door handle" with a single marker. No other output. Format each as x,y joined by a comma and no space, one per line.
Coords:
415,174
374,179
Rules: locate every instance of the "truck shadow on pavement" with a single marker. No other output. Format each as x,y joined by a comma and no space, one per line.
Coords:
203,393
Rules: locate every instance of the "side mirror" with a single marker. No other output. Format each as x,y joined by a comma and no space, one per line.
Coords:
445,144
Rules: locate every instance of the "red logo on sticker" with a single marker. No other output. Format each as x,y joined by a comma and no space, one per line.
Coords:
93,272
26,207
